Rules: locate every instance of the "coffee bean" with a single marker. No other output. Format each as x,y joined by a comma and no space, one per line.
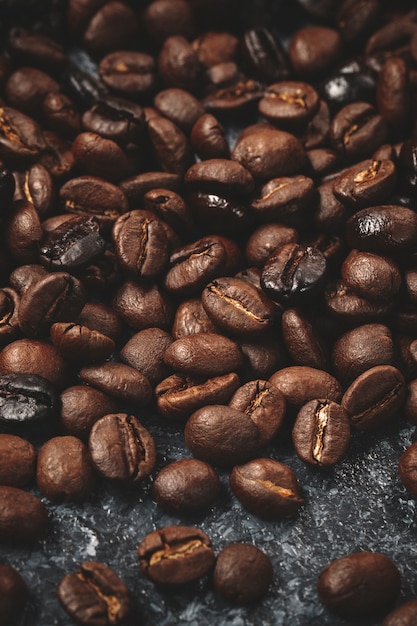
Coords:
13,593
79,343
237,98
175,555
289,104
96,156
137,186
349,309
300,383
23,517
26,398
404,615
262,357
143,306
371,276
60,115
357,130
172,209
129,74
204,354
101,317
180,107
23,232
112,27
81,406
64,472
207,138
220,176
178,63
374,397
383,228
94,595
243,573
379,586
170,145
190,319
267,488
393,94
35,185
284,199
117,119
29,47
121,448
34,357
366,183
314,50
82,87
18,461
186,486
267,238
118,380
9,321
26,89
302,341
406,470
265,54
164,18
88,195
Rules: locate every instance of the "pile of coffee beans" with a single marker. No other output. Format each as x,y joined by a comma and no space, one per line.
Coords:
216,225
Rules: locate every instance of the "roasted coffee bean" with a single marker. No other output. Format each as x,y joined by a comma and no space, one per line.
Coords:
64,472
17,461
36,186
179,396
382,228
330,215
170,146
321,433
236,99
88,195
119,381
407,162
29,47
9,321
237,307
393,34
101,317
186,486
178,64
293,272
269,154
265,55
204,354
26,89
172,209
207,138
83,88
301,340
128,74
117,119
23,517
180,107
216,47
227,216
371,276
350,309
317,129
164,18
137,186
314,50
322,161
112,27
267,238
145,351
284,199
21,138
31,356
121,448
300,383
57,157
404,615
393,94
262,357
264,404
289,104
58,297
13,593
94,595
374,397
190,319
79,343
60,115
366,183
360,349
25,397
143,306
359,584
355,19
410,405
357,130
220,176
81,406
23,232
266,488
175,555
407,471
242,574
96,156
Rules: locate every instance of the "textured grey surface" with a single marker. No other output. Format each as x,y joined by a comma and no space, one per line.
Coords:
360,505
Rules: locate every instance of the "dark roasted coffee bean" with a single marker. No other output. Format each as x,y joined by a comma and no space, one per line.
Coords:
314,50
265,55
29,47
289,104
300,383
129,74
58,297
357,130
79,343
393,94
237,307
9,321
301,340
180,107
284,199
170,145
30,356
350,309
224,215
267,238
382,228
25,397
112,27
186,486
266,488
360,349
64,472
204,354
407,471
321,432
91,196
143,306
23,232
207,138
145,351
179,396
178,63
374,397
293,272
96,156
137,186
35,185
120,120
13,593
265,405
269,153
370,275
118,380
404,615
121,448
379,585
164,18
21,138
81,406
393,34
57,157
322,161
23,517
242,574
220,176
237,98
356,19
175,555
191,318
73,245
366,183
172,209
26,89
17,462
94,595
83,88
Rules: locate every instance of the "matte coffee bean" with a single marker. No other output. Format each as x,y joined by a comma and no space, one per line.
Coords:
128,74
302,342
135,187
284,199
214,47
164,18
23,517
34,357
383,228
23,232
175,555
21,138
180,107
289,104
118,380
89,195
374,397
267,488
101,317
35,185
172,209
371,276
57,157
121,448
94,595
26,398
404,615
239,97
207,138
170,146
186,486
359,584
96,156
220,176
357,130
60,115
13,593
179,396
351,309
26,89
314,50
190,319
81,406
145,350
264,404
117,119
365,184
112,27
321,433
407,471
64,471
178,63
79,343
143,306
9,321
267,238
204,354
243,573
300,383
262,357
17,461
29,47
293,272
393,94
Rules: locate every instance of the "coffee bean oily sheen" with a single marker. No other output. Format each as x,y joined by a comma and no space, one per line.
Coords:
237,307
175,555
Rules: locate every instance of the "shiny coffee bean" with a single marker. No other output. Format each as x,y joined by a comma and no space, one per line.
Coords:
96,156
383,228
370,275
314,50
365,184
175,555
23,517
265,54
18,461
26,398
91,196
267,488
117,119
